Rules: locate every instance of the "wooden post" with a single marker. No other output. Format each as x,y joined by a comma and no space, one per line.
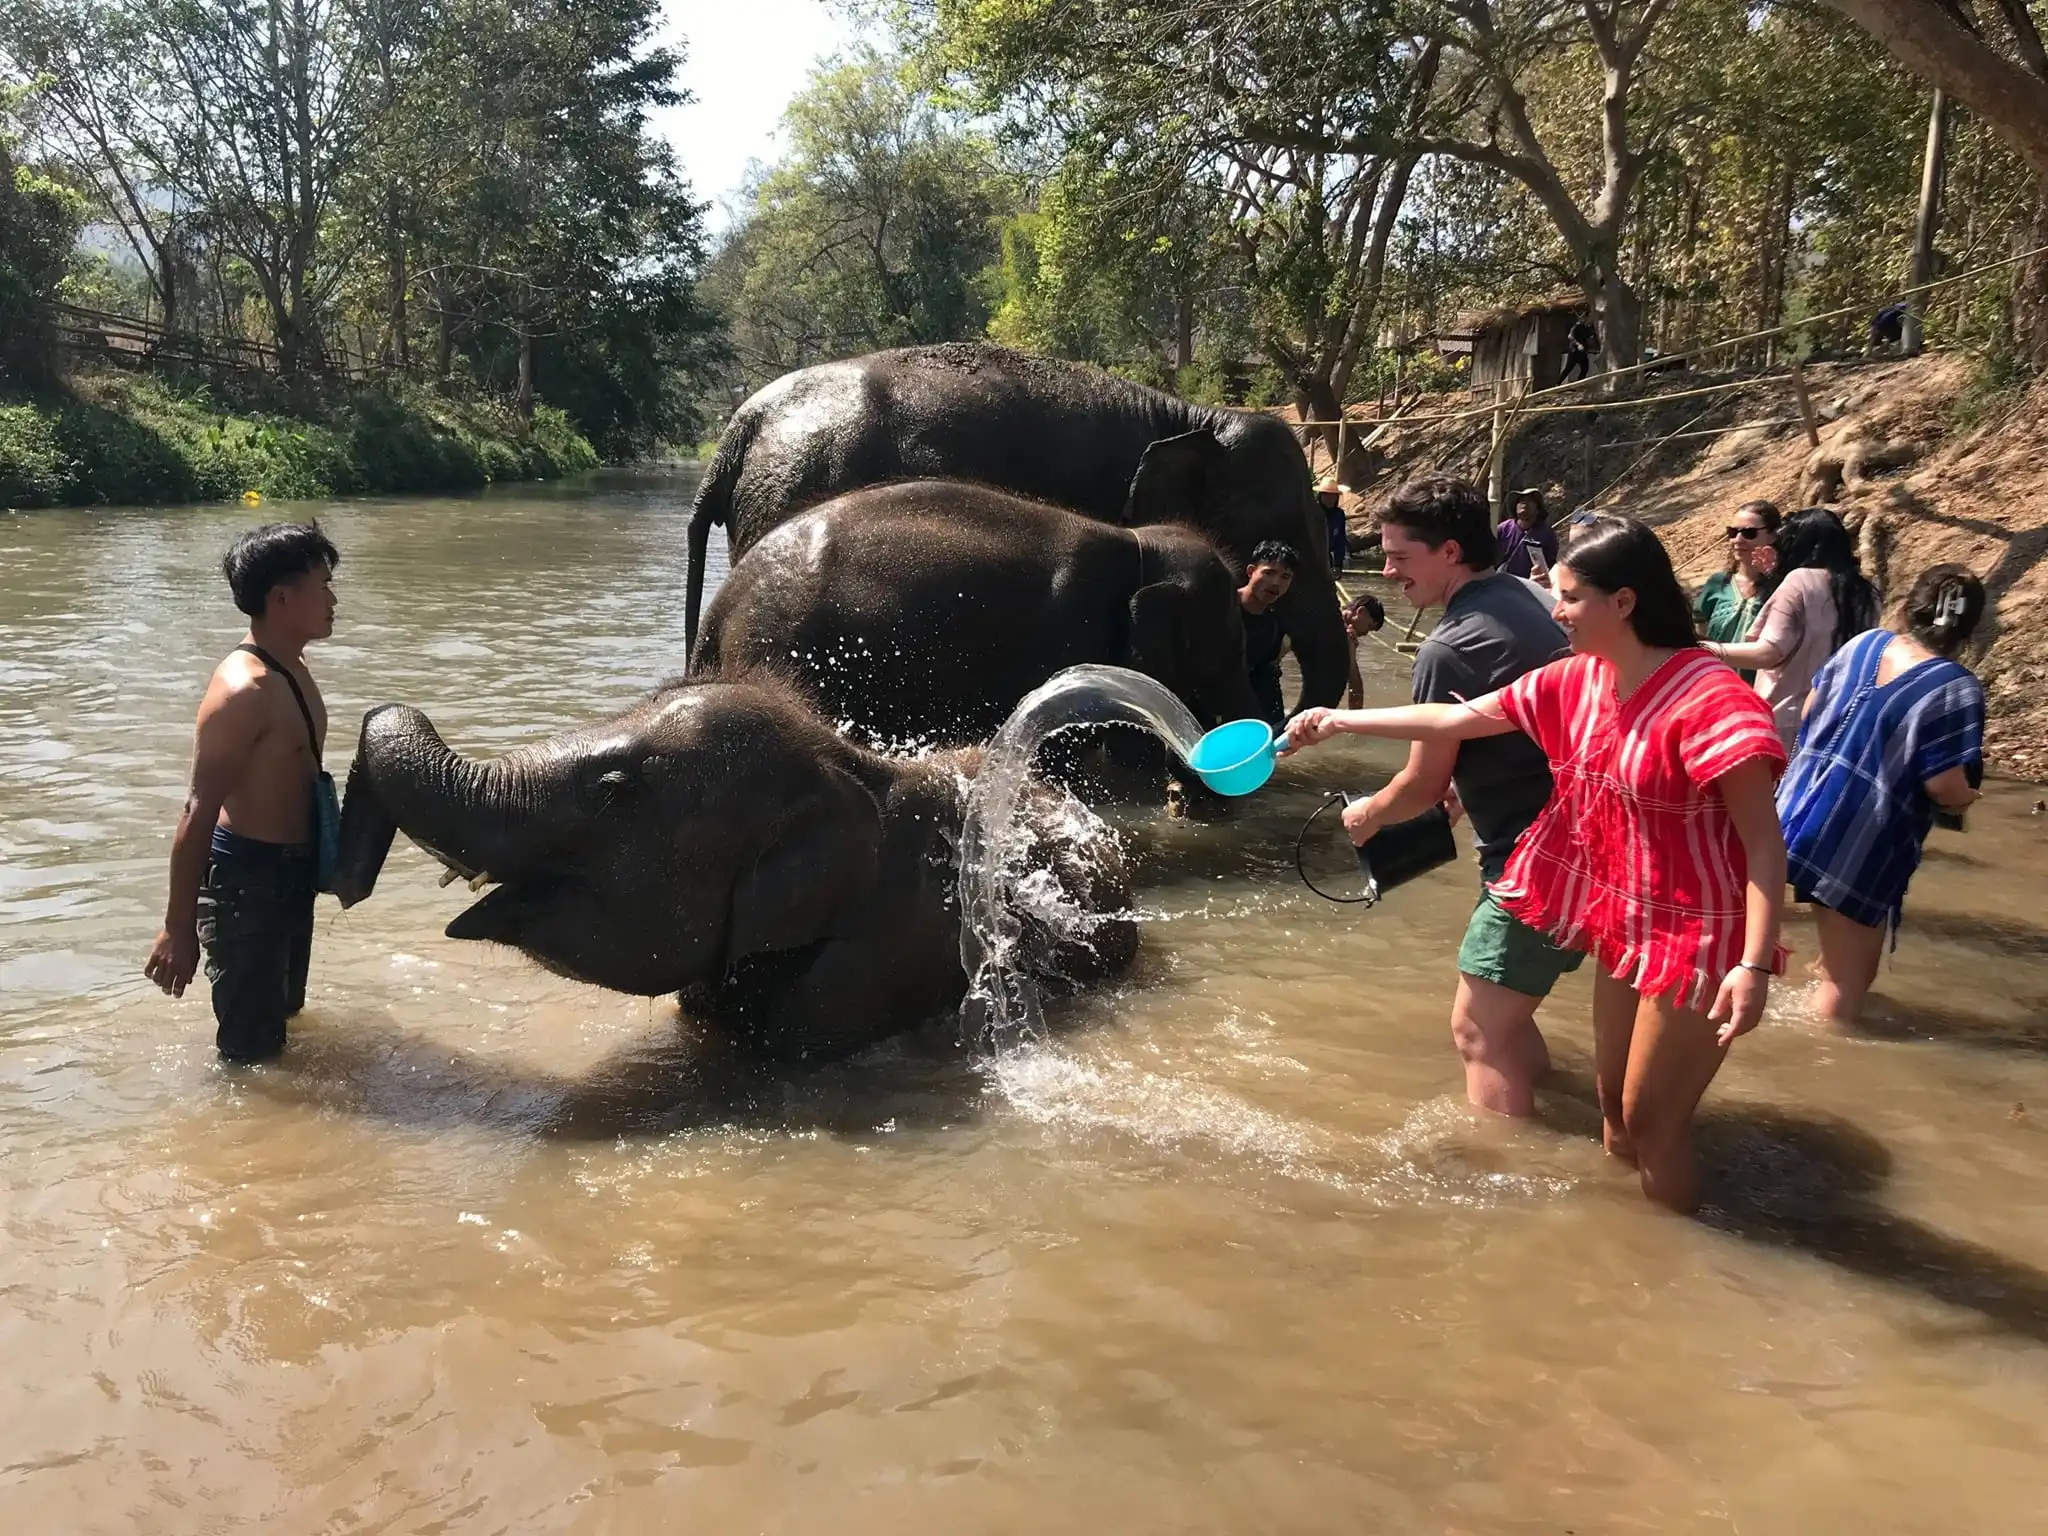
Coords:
1337,466
1805,405
1496,458
1921,269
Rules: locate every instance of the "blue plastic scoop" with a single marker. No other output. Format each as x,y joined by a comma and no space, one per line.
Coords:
1235,759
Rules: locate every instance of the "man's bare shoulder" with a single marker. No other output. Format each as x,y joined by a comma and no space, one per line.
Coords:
238,693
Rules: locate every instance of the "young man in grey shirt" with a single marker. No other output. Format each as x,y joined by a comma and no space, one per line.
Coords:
1440,546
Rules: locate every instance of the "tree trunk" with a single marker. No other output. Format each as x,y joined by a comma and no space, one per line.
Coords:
2030,286
1317,401
1621,315
444,339
394,261
1921,270
523,401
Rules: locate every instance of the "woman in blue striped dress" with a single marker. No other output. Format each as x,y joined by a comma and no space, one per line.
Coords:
1893,730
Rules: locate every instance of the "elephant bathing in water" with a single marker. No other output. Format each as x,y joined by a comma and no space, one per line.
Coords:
1075,437
923,611
719,841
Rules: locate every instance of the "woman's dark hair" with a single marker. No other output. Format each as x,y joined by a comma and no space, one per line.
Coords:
1616,552
1276,552
1815,539
1535,499
274,553
1944,607
1438,508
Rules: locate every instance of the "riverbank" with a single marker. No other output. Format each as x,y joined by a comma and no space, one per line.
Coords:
119,438
1928,459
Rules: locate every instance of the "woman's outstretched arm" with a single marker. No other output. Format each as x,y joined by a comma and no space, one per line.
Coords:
1410,722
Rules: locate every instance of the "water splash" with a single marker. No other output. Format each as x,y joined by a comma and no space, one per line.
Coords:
999,887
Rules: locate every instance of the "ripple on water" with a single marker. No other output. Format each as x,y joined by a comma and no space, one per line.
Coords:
1223,1251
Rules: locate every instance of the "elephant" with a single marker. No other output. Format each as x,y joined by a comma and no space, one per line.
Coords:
719,841
923,611
1071,436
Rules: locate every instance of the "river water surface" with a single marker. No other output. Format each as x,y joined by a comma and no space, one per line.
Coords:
491,1251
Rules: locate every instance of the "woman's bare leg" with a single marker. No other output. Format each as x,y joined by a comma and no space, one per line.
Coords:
1614,1022
1672,1057
1850,953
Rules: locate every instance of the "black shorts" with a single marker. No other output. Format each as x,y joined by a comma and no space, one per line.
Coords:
256,923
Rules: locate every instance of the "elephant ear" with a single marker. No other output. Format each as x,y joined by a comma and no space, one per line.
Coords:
1175,480
817,871
1158,613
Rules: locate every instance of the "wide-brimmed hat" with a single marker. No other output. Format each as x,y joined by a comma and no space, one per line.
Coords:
1328,484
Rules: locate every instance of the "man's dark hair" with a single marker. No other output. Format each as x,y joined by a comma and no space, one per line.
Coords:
1371,607
276,552
1276,552
1439,508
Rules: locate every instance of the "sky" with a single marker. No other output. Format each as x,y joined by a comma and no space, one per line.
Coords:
745,59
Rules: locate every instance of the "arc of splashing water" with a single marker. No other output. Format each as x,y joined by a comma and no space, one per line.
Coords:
1002,999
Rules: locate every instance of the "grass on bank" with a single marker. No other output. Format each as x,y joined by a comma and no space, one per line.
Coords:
140,440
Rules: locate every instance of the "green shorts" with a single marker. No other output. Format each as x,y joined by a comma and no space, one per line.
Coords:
1509,953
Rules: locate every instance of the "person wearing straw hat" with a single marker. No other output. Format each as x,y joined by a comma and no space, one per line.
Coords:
1330,496
1528,544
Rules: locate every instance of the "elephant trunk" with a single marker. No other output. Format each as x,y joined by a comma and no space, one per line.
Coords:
1315,625
480,819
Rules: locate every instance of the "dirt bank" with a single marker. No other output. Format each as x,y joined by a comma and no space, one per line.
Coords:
1900,458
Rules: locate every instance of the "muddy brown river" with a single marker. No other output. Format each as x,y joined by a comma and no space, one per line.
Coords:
491,1251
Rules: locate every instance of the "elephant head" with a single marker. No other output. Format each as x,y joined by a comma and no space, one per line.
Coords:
715,840
1187,629
1242,480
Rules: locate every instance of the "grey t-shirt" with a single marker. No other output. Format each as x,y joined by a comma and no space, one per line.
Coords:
1494,629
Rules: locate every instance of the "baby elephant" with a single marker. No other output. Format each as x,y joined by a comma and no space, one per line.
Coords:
921,612
719,841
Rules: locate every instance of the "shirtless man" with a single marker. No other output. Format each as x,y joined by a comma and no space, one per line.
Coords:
1271,574
242,861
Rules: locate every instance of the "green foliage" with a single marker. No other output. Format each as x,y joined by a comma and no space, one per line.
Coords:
137,441
40,218
877,229
466,189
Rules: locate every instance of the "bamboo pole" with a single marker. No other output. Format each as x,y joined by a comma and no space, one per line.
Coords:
1805,405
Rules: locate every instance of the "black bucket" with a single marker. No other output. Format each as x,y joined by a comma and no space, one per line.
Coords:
1395,855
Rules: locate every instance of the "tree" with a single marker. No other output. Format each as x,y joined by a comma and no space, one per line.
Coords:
89,68
1497,52
39,222
1266,148
875,229
1999,72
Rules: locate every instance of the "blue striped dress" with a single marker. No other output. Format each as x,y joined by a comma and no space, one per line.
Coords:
1853,805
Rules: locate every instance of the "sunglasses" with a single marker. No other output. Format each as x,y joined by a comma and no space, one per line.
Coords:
1746,533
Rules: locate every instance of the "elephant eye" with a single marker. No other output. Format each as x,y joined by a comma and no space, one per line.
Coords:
604,782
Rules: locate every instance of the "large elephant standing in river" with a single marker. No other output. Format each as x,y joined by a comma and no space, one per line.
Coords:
1069,435
923,611
719,841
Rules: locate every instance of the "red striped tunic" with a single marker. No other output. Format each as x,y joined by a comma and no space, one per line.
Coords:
1635,860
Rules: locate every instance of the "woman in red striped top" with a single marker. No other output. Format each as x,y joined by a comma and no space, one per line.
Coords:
1659,853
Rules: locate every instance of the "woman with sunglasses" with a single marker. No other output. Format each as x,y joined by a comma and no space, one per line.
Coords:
1821,599
1659,851
1728,604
